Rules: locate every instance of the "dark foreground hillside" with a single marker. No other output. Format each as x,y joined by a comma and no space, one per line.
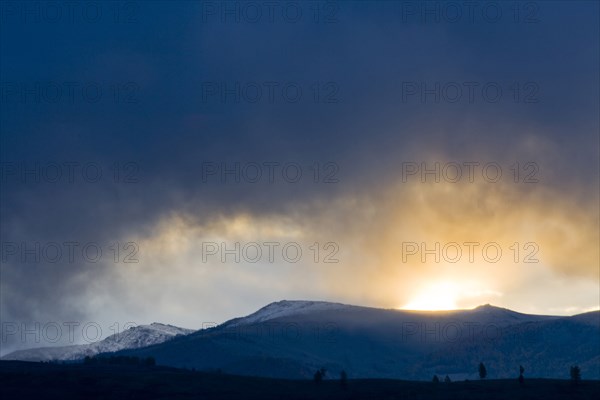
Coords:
20,380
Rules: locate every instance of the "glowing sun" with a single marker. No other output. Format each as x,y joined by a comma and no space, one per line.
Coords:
438,296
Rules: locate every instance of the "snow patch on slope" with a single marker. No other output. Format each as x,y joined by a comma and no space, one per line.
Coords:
286,308
132,338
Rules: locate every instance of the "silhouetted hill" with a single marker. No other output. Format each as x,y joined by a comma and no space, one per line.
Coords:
22,380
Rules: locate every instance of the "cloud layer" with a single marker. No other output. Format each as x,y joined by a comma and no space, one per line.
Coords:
180,108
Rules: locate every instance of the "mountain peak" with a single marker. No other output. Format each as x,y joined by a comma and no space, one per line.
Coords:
285,308
501,314
488,306
490,309
132,338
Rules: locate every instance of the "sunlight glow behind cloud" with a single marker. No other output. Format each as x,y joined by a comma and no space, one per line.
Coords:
370,230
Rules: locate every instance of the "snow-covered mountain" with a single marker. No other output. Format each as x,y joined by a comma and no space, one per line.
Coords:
292,339
132,338
285,308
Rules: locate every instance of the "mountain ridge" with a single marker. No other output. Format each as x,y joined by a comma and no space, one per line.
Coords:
132,338
293,338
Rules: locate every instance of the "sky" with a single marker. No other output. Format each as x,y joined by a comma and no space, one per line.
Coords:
191,162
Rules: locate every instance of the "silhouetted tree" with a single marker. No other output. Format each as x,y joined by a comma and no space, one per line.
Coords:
447,379
319,375
521,378
482,371
343,379
575,374
436,379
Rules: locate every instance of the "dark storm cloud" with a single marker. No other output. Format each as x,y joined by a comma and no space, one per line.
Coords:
165,108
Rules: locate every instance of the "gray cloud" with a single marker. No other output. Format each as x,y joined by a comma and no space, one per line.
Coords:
168,69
